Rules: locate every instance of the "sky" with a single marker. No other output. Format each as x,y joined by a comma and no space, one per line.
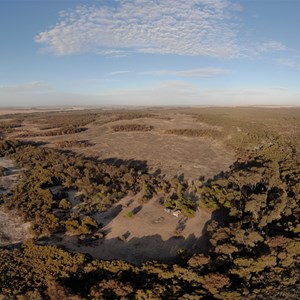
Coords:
149,52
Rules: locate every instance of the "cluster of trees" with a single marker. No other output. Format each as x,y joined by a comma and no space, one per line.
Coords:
181,201
60,131
8,147
64,119
73,143
3,171
208,132
7,127
130,127
114,116
10,124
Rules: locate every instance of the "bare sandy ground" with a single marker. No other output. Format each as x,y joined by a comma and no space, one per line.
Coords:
151,234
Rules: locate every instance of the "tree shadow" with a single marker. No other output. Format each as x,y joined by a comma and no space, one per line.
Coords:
220,215
139,165
137,209
107,217
35,143
157,173
140,250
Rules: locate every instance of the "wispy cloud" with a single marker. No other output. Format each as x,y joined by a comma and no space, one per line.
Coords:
34,86
202,72
120,72
194,28
290,62
270,46
266,47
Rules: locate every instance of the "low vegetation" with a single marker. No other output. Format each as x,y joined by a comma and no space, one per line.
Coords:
211,133
73,143
130,127
60,131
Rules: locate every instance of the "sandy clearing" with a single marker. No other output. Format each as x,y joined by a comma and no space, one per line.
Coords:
153,218
151,234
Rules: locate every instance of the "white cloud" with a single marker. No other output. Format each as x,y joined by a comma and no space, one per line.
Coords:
201,72
193,28
251,49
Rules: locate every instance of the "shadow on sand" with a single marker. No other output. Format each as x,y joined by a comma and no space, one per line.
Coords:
137,250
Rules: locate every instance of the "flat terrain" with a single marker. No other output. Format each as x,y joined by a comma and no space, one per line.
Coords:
169,153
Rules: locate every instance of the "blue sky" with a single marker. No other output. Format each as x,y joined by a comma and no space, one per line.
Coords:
149,52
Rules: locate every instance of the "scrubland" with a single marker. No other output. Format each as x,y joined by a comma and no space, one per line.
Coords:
189,203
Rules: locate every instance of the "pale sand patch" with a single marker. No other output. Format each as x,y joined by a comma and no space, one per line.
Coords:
12,229
8,181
